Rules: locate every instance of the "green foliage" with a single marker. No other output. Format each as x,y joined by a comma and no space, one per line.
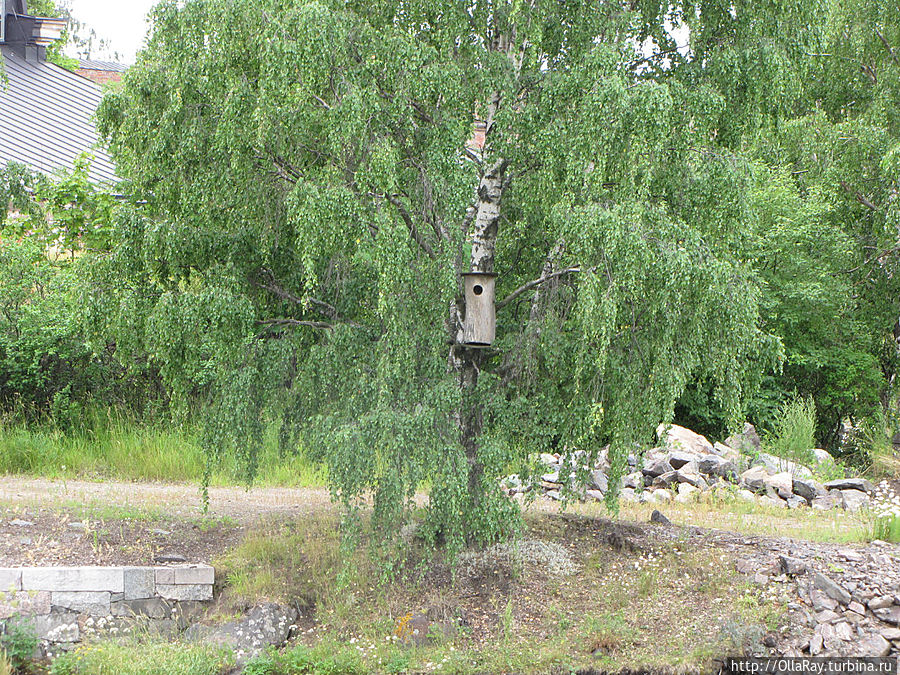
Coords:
18,642
323,659
793,437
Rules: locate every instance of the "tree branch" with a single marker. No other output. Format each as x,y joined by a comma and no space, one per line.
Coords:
295,322
411,226
860,197
536,282
887,45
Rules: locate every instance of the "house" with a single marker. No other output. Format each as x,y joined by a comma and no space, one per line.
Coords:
101,72
46,112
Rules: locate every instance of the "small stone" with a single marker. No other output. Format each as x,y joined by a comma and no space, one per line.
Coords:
760,579
77,526
827,616
596,495
821,601
854,500
628,495
808,488
769,641
826,502
795,502
599,481
659,518
21,523
881,602
170,558
892,634
856,607
889,615
816,644
160,532
686,493
754,478
791,566
831,589
874,645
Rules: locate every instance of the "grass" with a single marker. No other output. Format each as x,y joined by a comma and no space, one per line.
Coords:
153,658
620,610
112,446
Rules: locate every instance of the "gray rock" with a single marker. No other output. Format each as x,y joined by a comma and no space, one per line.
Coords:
856,607
633,480
599,481
754,478
691,478
628,495
170,558
596,495
154,608
826,502
747,441
263,626
713,465
827,616
881,602
165,533
791,566
874,645
889,615
666,479
658,518
686,493
860,484
795,502
816,644
549,460
679,438
745,495
21,523
808,488
782,483
892,634
820,601
77,526
831,589
679,458
657,467
95,603
822,456
854,500
57,627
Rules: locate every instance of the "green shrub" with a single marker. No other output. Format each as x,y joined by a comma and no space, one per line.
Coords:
19,641
794,433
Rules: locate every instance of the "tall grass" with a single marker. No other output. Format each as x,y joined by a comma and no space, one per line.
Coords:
794,434
113,445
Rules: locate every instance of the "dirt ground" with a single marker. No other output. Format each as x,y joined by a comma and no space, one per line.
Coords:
46,523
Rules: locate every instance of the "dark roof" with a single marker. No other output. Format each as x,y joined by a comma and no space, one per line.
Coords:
47,118
109,66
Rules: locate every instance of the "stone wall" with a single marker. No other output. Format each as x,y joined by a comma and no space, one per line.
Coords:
68,604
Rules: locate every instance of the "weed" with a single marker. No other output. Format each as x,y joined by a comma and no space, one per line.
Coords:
794,433
6,667
18,641
152,658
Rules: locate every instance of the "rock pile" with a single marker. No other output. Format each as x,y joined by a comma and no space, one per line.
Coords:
845,598
686,464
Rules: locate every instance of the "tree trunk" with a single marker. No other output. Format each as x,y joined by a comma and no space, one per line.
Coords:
466,361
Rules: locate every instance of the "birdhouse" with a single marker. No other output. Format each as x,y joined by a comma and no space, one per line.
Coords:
480,325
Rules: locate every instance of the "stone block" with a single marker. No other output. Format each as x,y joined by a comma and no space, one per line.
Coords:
195,574
10,579
185,591
154,608
73,579
22,603
165,575
59,627
140,582
95,603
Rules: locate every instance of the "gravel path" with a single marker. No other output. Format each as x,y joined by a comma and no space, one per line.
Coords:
181,500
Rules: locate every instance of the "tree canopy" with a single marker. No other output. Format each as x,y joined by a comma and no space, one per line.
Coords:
698,232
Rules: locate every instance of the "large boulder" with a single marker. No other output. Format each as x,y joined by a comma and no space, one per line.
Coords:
266,625
808,488
747,441
599,481
754,478
714,465
693,478
679,438
679,458
822,457
860,484
854,500
781,483
657,467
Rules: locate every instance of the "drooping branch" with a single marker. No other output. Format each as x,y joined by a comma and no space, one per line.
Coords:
535,282
325,308
887,45
295,322
860,197
411,226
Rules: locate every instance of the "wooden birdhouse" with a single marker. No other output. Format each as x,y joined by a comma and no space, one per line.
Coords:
480,325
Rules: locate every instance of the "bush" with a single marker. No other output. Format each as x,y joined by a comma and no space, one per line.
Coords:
794,433
18,643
